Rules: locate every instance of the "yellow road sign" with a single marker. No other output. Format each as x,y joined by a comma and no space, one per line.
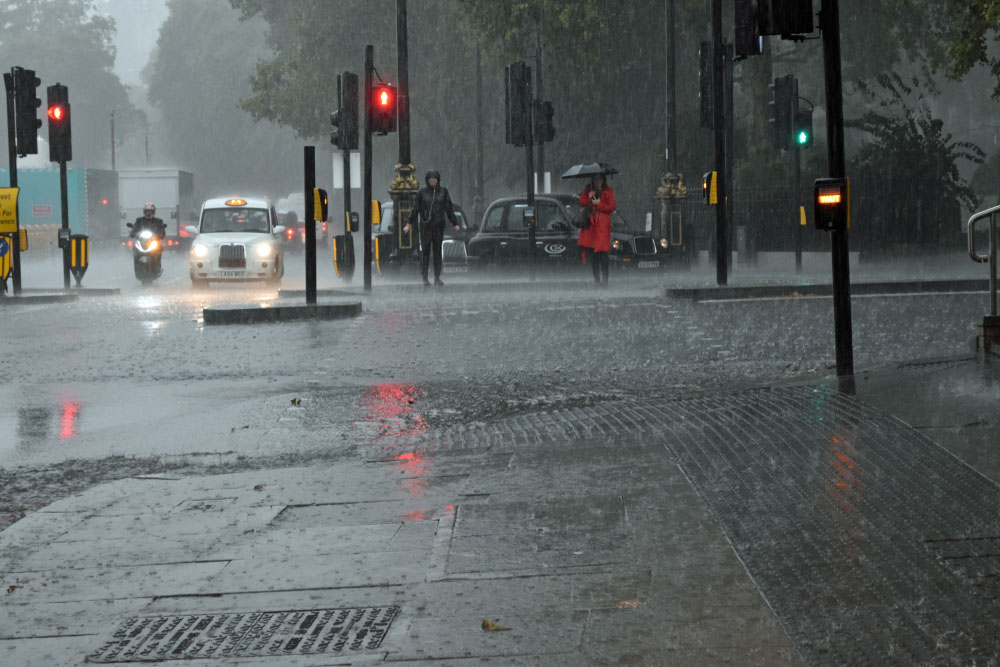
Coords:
8,210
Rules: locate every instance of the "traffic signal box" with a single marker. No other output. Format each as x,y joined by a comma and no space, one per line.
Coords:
832,204
321,205
26,111
710,187
517,89
757,18
802,128
782,107
383,109
60,136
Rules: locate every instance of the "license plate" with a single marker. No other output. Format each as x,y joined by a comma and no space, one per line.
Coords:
232,274
649,265
455,269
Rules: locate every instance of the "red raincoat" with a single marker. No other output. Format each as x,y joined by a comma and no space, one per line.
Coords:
598,235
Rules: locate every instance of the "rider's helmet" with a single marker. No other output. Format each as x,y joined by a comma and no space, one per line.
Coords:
149,209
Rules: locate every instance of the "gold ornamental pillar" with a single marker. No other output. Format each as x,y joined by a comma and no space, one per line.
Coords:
403,191
671,194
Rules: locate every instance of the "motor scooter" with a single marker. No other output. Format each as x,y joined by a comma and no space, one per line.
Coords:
147,254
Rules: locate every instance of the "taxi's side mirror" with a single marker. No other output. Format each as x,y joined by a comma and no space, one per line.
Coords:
190,229
280,229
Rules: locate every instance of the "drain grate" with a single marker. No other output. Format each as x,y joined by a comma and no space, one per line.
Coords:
247,635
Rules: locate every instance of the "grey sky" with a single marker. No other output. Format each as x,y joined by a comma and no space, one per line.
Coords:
138,27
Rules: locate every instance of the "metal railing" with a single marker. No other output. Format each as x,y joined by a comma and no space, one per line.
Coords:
991,258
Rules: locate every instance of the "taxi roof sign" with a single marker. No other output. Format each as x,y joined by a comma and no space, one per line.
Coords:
236,202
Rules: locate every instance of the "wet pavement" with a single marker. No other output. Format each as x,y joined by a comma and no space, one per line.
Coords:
525,476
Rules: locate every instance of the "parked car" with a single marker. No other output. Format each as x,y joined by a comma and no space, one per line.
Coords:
502,238
454,249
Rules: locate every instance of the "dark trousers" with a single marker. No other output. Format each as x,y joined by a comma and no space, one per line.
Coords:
431,237
599,264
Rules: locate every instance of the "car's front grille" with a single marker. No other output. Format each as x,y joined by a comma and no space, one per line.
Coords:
644,245
232,256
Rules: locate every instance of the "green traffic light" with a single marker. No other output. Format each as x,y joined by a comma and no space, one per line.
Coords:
803,137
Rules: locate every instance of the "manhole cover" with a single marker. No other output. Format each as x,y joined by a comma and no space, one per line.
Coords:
252,634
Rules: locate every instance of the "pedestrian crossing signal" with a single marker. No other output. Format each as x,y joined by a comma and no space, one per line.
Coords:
710,187
832,204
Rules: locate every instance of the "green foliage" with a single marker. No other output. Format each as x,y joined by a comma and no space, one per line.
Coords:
197,76
70,43
968,27
915,164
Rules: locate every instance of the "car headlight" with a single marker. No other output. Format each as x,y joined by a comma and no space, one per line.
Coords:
664,243
617,244
199,250
264,250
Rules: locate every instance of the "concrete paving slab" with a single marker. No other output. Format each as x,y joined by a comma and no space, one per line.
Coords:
33,620
45,652
103,583
11,301
268,313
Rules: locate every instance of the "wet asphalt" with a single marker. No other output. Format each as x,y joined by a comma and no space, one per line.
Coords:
471,396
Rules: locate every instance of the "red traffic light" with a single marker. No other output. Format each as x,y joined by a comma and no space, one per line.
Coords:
384,97
56,112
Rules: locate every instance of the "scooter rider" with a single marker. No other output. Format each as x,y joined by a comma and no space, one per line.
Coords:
148,220
432,208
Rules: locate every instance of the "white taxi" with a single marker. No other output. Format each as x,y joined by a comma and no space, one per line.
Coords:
236,239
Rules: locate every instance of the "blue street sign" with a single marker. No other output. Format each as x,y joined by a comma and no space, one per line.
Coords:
4,246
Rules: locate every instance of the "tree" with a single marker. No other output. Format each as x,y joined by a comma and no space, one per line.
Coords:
911,164
966,26
70,43
196,77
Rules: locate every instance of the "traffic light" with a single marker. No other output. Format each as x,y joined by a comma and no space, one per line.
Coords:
349,111
383,109
60,137
748,39
336,131
832,204
321,205
517,98
784,17
26,110
542,115
705,85
802,132
785,94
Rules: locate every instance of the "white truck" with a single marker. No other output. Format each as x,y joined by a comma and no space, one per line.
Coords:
170,190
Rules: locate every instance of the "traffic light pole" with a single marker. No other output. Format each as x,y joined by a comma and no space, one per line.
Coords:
798,206
64,206
308,187
345,155
718,114
8,79
830,26
366,231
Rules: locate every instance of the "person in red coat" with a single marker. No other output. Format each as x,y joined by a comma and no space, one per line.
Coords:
596,239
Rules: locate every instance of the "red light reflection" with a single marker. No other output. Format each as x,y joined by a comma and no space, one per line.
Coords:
68,418
390,408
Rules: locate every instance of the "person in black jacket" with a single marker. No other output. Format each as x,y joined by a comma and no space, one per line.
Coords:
433,208
148,220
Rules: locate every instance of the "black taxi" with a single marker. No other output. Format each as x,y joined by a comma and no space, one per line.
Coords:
502,238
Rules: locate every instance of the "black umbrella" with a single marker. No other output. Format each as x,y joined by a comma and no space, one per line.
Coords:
589,169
